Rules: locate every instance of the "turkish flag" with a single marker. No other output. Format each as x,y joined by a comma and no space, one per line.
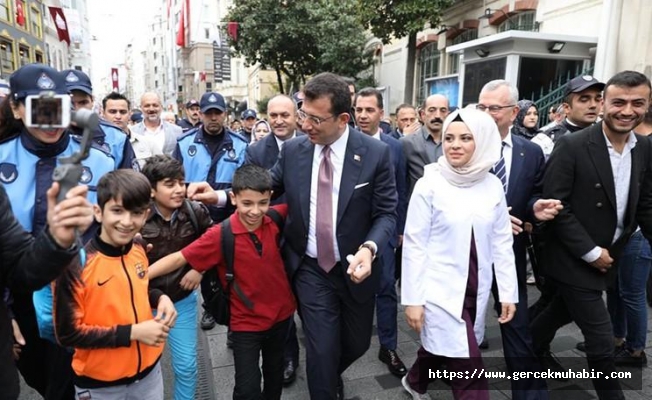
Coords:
181,30
60,22
114,79
20,13
202,76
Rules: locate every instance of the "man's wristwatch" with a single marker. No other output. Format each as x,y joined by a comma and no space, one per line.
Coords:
370,247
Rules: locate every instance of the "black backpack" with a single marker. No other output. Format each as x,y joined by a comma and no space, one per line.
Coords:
219,306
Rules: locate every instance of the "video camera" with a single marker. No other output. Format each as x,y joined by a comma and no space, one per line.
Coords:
48,111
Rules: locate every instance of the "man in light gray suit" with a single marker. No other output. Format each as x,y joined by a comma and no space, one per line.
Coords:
424,146
162,135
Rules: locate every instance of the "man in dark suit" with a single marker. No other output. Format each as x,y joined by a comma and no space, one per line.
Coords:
423,147
521,172
602,175
282,115
341,195
368,113
406,121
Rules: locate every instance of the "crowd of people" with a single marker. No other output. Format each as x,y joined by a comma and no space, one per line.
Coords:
315,212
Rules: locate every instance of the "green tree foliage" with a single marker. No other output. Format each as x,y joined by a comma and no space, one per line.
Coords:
299,38
389,19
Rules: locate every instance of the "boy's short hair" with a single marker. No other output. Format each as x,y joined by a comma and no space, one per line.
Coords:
127,185
251,177
161,167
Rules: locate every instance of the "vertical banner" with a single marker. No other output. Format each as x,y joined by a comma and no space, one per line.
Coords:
226,57
114,80
217,62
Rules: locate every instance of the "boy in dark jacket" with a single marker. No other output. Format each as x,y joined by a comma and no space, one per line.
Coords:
172,224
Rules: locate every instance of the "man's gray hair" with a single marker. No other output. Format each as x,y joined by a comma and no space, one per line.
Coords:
498,83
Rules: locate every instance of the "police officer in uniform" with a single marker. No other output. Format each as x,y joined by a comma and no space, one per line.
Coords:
248,119
192,119
27,160
211,153
109,138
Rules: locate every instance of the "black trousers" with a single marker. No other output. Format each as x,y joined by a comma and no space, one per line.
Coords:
247,349
291,352
337,328
588,310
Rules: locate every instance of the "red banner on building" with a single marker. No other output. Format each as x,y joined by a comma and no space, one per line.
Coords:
114,79
60,22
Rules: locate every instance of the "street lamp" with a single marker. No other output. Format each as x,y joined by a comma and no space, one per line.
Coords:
489,13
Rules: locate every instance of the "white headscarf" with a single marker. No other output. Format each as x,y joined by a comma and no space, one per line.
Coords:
487,148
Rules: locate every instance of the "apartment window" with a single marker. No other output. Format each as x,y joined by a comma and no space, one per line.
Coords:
154,41
523,21
156,70
38,57
208,62
35,18
209,86
207,33
7,56
155,55
23,55
156,84
428,67
4,10
454,59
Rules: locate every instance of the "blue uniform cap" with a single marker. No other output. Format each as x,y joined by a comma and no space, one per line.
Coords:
136,117
78,80
212,100
32,79
248,114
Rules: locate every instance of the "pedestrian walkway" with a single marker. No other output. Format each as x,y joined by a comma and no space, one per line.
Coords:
368,378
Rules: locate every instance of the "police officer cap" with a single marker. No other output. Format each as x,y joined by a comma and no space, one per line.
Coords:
192,103
78,80
33,79
581,83
136,117
248,114
212,100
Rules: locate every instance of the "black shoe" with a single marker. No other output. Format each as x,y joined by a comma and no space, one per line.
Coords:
549,362
229,341
289,372
581,346
340,388
484,345
394,363
207,321
624,358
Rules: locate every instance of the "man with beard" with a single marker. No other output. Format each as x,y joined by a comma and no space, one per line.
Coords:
602,176
211,153
424,146
582,105
161,134
192,119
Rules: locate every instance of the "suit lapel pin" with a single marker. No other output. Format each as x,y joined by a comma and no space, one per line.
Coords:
356,158
522,154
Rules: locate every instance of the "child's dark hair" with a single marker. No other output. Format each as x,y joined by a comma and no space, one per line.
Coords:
127,185
161,167
251,177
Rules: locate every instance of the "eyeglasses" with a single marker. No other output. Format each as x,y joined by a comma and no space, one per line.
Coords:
303,116
492,109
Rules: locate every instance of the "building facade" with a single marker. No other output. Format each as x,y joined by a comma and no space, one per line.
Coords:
22,37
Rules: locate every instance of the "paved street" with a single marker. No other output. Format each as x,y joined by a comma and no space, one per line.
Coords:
368,378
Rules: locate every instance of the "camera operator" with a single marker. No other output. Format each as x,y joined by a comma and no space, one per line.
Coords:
28,157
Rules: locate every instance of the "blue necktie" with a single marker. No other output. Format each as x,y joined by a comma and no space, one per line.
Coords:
499,169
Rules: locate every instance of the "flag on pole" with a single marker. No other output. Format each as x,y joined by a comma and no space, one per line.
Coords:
232,30
20,13
60,22
114,79
181,30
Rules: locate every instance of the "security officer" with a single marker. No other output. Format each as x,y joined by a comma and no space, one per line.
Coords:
108,137
582,103
211,153
192,119
248,118
27,160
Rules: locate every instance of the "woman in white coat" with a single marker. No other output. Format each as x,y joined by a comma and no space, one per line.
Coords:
457,227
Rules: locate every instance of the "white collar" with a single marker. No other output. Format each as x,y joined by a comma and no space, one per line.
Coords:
338,147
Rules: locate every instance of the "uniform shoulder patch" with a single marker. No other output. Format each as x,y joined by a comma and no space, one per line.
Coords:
8,173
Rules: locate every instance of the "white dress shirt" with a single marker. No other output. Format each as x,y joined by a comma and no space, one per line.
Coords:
507,155
280,142
621,167
338,150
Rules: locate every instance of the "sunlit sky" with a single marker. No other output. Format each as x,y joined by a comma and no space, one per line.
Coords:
113,24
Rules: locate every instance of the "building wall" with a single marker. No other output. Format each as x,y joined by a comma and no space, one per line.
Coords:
262,84
76,12
20,45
